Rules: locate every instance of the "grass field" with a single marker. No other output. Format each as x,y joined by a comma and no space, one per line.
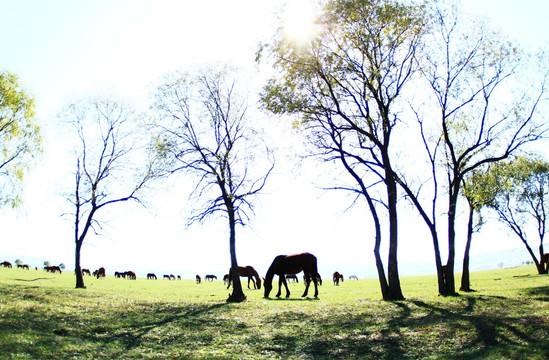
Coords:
42,316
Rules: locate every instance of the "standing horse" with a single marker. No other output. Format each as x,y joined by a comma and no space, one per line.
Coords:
292,264
249,272
337,276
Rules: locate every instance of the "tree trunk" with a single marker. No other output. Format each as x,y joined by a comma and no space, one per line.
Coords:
78,269
465,282
379,263
395,291
449,288
238,293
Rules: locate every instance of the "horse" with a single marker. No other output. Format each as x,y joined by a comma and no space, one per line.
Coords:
22,266
166,277
292,277
337,276
86,271
118,274
250,272
353,277
151,276
226,279
100,272
211,277
6,264
130,275
292,264
318,278
53,269
198,279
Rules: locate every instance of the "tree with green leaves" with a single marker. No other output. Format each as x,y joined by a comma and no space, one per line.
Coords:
112,164
522,201
345,86
20,137
203,130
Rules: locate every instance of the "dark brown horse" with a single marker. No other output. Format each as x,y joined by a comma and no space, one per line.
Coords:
250,273
100,272
337,276
292,264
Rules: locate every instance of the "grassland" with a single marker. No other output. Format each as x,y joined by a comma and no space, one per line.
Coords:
42,316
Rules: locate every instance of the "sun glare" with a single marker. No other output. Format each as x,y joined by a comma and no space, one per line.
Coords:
299,21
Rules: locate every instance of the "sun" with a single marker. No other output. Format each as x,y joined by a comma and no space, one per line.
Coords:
299,21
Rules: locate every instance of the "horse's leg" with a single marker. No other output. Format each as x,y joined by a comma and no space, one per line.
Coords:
280,277
229,281
315,280
286,286
307,283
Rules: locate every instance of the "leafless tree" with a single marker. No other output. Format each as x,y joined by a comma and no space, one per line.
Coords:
203,130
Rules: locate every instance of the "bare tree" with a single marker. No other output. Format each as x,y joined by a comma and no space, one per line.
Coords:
111,166
487,111
203,130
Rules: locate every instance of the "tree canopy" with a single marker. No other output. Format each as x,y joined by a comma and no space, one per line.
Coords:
20,138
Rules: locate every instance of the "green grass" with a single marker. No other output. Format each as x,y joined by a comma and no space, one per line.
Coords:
42,316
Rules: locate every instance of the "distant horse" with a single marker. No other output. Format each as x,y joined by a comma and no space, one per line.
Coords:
166,277
100,272
118,274
6,264
86,271
292,264
130,275
211,277
172,277
151,276
337,276
353,277
22,266
53,269
198,279
292,277
226,279
249,272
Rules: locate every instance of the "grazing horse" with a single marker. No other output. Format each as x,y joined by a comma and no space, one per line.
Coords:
166,277
198,279
151,276
226,279
353,277
130,275
86,271
22,266
100,272
249,272
53,269
292,278
337,276
211,277
118,274
6,264
292,264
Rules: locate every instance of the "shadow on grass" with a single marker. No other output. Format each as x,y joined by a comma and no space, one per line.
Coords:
464,327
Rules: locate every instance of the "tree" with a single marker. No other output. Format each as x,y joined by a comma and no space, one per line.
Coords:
522,199
346,86
487,108
20,137
479,189
111,165
203,130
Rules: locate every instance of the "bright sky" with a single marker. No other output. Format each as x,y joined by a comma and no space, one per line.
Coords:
61,49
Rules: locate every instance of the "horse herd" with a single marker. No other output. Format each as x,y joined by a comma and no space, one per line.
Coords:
285,266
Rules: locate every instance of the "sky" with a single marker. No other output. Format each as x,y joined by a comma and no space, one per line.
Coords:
66,49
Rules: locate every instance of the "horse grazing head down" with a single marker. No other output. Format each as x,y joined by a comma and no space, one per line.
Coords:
292,264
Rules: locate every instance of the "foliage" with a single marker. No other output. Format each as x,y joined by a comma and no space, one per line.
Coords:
20,137
345,87
43,317
521,200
